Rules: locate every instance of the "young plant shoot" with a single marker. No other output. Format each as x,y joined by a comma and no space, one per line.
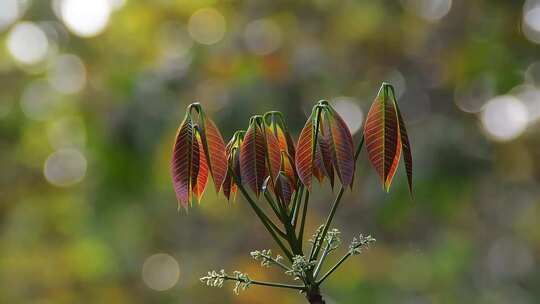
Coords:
275,175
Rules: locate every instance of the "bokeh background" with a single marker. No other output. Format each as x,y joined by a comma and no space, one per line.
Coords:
91,93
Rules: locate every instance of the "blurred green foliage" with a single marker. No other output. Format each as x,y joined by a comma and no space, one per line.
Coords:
85,192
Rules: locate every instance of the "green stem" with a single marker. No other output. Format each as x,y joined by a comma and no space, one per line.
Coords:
283,266
262,283
303,222
297,205
315,243
335,204
272,204
321,261
264,219
345,257
328,222
289,236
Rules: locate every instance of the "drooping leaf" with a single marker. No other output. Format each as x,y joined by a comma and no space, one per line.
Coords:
318,165
341,146
199,165
253,158
284,188
229,184
273,154
406,148
181,161
304,152
287,168
279,129
214,148
325,151
382,136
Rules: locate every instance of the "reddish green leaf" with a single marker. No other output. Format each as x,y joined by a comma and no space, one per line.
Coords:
318,165
304,152
325,151
284,188
214,148
181,161
253,158
273,154
382,136
341,145
199,167
406,148
288,168
229,185
279,129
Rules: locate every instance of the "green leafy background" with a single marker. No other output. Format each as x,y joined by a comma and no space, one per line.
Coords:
471,235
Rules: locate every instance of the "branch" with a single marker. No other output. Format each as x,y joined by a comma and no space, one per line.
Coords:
303,222
347,255
356,247
335,204
267,259
332,243
263,283
216,279
263,218
297,204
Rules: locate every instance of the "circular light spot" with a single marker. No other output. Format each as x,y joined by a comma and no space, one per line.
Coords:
9,12
38,100
532,18
117,4
532,74
530,96
472,96
174,40
262,37
430,10
504,118
349,110
213,93
85,18
27,43
207,26
160,272
398,81
65,167
67,132
67,74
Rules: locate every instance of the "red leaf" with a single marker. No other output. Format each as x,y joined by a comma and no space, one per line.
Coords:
325,151
181,161
406,147
341,144
252,158
199,171
288,168
279,129
215,152
382,136
228,181
304,153
284,188
318,165
273,153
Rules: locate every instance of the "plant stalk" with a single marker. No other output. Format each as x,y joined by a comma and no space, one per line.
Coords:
314,296
271,284
335,205
263,218
345,257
